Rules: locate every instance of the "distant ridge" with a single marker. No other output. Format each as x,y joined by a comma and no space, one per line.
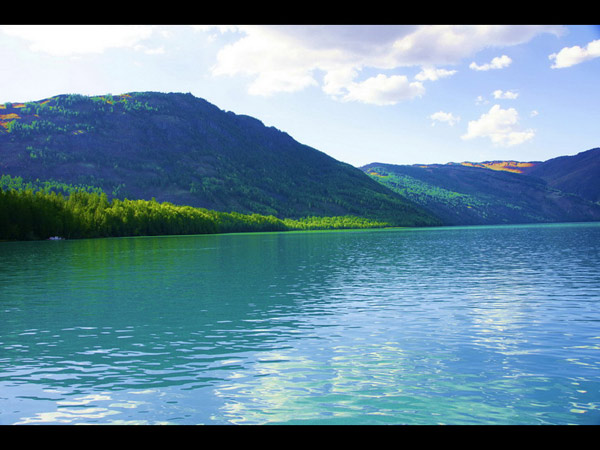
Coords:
507,166
561,189
578,174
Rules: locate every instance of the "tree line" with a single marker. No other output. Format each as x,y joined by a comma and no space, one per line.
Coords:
28,214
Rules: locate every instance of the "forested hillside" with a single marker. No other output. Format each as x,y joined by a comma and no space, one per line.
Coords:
156,163
469,194
183,150
30,211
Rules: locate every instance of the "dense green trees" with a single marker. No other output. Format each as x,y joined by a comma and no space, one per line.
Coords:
27,214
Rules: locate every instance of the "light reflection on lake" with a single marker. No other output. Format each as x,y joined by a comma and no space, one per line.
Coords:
465,325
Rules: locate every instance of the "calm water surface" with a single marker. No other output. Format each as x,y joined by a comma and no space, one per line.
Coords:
473,325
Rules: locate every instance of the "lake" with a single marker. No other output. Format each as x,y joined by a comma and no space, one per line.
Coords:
449,325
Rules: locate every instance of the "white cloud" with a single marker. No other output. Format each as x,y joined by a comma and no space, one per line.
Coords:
481,101
288,58
499,62
449,44
500,126
150,51
275,63
335,82
442,116
270,82
433,74
384,90
569,56
507,95
67,40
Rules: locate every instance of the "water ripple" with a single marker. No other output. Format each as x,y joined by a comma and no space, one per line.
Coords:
472,325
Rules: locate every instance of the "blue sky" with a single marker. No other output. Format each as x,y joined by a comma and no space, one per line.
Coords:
400,94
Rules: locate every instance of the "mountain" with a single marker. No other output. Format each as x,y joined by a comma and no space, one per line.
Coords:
496,192
177,148
578,174
181,149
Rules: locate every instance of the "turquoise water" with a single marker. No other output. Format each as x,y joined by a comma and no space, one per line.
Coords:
470,325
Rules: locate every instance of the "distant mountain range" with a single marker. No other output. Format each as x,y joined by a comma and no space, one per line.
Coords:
561,189
181,149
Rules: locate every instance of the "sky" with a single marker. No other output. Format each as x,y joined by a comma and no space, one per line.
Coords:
398,94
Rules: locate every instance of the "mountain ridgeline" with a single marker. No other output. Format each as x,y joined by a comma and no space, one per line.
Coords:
563,189
164,163
180,149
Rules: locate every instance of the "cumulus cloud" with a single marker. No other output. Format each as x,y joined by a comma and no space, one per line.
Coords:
446,117
68,40
433,74
569,56
507,95
290,58
384,90
449,44
501,126
499,62
349,62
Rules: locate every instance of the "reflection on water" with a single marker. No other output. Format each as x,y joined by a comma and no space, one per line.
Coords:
468,325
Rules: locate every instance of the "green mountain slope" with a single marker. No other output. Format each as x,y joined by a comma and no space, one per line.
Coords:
473,194
182,149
